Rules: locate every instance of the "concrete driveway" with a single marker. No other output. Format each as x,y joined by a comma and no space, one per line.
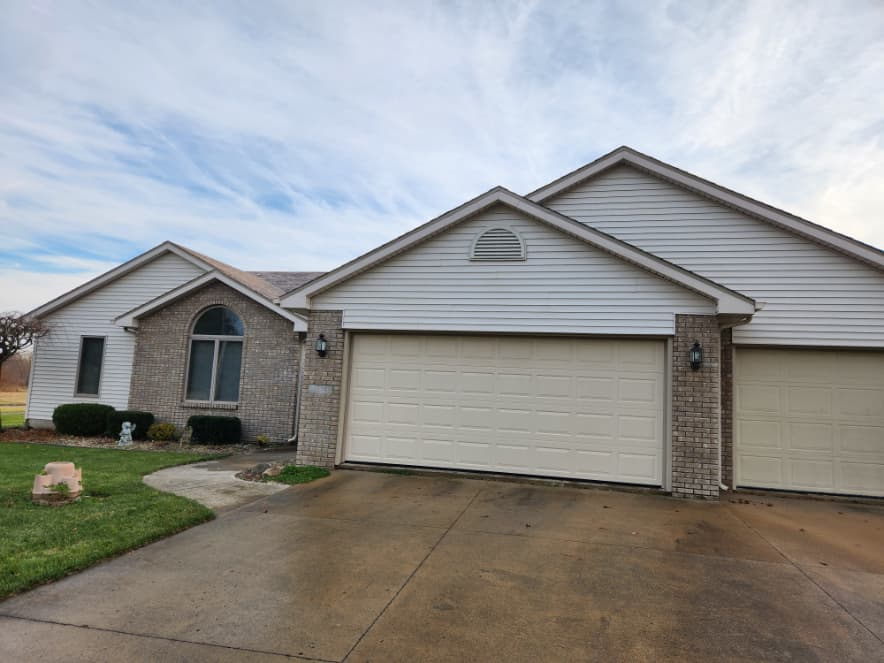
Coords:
380,567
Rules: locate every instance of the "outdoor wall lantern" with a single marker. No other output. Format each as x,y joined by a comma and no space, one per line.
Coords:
321,346
696,355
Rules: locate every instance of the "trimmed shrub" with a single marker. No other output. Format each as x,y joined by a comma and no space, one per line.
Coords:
162,432
81,418
142,421
209,429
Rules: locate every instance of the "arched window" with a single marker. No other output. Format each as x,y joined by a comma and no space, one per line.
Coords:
215,356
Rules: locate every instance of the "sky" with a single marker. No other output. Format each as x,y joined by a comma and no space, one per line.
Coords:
298,135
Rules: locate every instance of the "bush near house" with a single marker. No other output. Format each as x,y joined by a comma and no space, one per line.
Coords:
142,421
162,432
209,429
81,418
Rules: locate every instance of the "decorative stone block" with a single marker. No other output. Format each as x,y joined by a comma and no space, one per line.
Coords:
60,483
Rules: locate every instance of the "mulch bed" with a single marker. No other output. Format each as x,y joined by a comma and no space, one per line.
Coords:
49,437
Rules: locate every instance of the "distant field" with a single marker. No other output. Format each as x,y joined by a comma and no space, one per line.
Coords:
12,407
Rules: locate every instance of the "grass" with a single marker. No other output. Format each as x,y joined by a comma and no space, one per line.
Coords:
292,474
116,513
12,408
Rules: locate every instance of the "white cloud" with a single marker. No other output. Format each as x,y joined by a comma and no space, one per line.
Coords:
298,135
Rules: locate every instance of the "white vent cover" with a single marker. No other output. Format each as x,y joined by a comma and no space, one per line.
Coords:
498,244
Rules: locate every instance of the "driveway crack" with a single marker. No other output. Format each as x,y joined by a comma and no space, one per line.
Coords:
150,636
412,574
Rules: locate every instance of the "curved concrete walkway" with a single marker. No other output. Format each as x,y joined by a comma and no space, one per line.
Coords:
214,483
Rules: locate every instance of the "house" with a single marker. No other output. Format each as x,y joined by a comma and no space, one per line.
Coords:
628,323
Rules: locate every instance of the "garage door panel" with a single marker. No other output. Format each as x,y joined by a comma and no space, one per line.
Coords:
810,400
640,467
865,440
862,478
556,406
860,402
755,397
808,474
811,437
759,433
604,389
762,471
826,434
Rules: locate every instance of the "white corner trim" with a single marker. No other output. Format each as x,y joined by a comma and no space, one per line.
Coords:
114,274
802,227
129,320
728,301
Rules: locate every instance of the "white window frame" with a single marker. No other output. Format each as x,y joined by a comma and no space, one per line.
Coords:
77,392
218,339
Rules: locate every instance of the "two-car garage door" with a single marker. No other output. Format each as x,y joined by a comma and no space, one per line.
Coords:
810,420
561,407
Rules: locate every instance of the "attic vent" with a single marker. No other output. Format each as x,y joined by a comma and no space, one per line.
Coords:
498,244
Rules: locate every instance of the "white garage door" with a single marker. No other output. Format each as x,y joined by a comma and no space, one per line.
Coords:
810,420
562,407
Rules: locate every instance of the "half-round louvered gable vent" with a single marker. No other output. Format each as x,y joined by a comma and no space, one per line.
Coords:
498,244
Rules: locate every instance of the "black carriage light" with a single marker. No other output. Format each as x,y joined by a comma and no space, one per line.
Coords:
321,346
696,355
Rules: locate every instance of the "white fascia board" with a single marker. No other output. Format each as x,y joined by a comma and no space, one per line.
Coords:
795,224
727,300
130,319
117,272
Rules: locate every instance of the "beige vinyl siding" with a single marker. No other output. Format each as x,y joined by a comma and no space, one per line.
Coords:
564,286
54,374
813,295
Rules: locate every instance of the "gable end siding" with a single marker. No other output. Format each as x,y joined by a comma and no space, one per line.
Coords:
53,375
813,295
564,286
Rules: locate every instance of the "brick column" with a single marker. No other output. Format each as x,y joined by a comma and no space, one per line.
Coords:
321,391
696,406
727,408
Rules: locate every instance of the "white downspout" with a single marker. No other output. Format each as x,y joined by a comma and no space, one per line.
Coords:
303,343
721,485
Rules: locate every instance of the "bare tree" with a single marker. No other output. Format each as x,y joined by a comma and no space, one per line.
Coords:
17,332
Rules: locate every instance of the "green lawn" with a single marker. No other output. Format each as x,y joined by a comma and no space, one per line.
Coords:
117,511
12,408
11,418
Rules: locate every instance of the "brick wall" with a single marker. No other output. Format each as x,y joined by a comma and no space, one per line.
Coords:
727,408
268,382
321,391
696,404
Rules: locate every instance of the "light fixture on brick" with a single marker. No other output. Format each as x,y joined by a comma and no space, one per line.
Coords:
321,346
696,356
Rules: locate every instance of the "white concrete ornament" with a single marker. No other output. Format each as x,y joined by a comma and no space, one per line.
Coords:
126,434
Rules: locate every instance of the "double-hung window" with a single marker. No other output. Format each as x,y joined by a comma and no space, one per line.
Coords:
215,357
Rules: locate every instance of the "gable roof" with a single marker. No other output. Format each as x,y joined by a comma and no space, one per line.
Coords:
130,318
626,155
728,300
118,272
249,283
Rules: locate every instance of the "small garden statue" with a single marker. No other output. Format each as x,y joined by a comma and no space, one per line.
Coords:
126,434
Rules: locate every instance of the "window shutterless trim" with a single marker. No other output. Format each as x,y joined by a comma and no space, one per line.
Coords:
97,394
